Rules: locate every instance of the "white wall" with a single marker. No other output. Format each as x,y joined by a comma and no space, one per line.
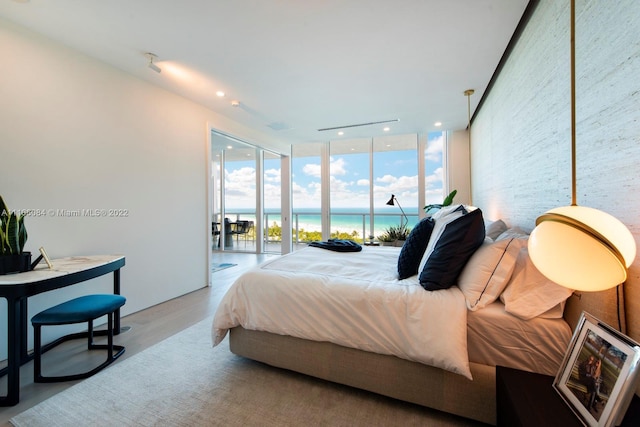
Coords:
521,137
78,134
458,166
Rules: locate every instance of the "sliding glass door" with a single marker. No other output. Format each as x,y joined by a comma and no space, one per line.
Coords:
247,196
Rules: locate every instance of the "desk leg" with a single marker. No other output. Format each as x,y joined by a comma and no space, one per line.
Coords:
14,342
116,290
24,328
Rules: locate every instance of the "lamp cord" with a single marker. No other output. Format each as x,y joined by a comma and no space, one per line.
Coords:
618,307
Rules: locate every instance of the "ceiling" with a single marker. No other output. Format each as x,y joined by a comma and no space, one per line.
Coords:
297,66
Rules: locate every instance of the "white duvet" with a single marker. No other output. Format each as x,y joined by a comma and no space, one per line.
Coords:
353,299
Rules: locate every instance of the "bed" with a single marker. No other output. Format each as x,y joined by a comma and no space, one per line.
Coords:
349,318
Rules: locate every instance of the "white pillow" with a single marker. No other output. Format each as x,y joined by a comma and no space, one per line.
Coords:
513,232
530,294
443,217
494,228
488,271
556,312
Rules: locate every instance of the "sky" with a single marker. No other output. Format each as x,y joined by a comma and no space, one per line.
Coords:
395,172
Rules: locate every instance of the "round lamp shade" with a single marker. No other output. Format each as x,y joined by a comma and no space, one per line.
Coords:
582,248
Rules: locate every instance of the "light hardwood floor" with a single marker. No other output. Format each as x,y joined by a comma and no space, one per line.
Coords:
146,328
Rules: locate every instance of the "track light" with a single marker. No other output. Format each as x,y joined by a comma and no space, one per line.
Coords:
151,57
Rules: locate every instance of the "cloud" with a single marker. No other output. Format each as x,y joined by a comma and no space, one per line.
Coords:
435,177
337,167
312,169
435,148
240,187
273,175
387,179
404,187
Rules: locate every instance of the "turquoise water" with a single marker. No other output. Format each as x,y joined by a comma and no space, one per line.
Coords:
342,219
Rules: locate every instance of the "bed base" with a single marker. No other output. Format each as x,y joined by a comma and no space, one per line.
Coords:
386,375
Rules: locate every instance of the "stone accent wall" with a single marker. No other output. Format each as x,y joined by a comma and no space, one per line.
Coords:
520,153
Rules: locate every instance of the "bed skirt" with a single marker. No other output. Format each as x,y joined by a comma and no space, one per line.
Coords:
386,375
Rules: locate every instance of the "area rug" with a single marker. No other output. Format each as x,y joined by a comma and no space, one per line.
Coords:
221,266
184,381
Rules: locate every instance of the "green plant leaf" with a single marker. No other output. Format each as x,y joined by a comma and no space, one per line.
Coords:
447,202
4,245
449,199
13,234
22,234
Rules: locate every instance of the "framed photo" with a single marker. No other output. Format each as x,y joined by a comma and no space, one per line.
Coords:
599,373
46,257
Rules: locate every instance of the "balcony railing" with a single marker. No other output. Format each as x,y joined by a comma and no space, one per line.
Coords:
306,226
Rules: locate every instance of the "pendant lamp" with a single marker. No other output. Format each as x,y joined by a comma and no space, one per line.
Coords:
578,247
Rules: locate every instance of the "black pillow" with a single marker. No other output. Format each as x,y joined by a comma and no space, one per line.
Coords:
414,247
458,241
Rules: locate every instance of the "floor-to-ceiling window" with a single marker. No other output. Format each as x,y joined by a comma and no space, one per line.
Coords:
395,173
349,188
434,189
272,202
306,192
341,188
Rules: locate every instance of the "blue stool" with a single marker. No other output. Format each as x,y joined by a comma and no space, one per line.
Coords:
83,309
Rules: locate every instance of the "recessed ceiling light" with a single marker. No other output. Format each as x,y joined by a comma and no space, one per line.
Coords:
220,94
386,129
229,147
341,133
437,124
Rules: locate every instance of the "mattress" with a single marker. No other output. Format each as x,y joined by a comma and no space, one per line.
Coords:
495,337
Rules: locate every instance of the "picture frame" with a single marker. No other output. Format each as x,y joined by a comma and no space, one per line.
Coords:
44,254
599,374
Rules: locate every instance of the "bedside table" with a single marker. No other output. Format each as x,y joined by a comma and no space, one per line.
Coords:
528,399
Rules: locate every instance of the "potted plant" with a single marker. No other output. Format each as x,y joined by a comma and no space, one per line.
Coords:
447,202
386,238
394,236
13,236
401,234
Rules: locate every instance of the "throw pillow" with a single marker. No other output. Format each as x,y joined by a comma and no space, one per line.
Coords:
488,271
458,241
413,248
443,217
529,293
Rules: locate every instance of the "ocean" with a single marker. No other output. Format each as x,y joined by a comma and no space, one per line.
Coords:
345,220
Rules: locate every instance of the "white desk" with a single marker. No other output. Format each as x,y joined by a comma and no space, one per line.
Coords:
17,288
